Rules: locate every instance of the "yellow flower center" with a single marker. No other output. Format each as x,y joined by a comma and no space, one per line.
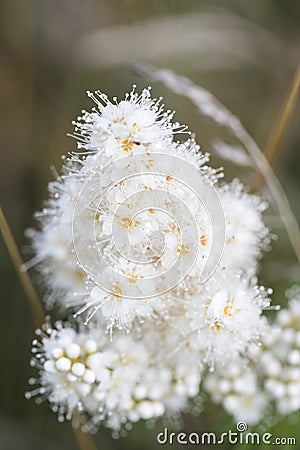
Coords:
132,277
229,310
135,127
120,120
79,273
97,216
175,227
126,222
203,240
216,326
116,291
182,249
127,145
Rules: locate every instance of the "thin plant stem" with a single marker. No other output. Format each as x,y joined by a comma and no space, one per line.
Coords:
273,144
30,293
84,440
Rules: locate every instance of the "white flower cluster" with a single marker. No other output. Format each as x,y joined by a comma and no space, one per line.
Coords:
113,382
124,247
246,391
281,357
237,387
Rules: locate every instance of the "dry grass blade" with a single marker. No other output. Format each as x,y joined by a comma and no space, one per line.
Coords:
281,124
31,295
210,107
84,441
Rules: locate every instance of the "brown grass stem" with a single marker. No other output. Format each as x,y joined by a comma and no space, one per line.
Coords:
84,441
30,293
274,141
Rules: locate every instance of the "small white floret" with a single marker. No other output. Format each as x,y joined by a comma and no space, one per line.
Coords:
78,369
63,364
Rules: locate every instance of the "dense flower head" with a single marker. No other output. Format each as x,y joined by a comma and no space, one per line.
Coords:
237,387
281,357
157,262
246,233
226,318
133,124
91,380
271,377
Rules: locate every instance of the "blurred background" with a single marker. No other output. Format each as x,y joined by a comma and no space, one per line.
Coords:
52,51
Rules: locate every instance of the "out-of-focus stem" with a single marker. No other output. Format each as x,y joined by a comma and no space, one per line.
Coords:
84,440
31,295
273,144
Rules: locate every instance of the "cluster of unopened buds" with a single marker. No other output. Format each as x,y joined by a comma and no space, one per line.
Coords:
155,260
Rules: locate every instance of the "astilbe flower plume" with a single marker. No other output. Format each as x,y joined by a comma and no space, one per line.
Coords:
141,341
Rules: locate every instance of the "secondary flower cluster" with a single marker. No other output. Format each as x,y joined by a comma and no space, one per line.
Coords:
123,241
273,376
114,382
